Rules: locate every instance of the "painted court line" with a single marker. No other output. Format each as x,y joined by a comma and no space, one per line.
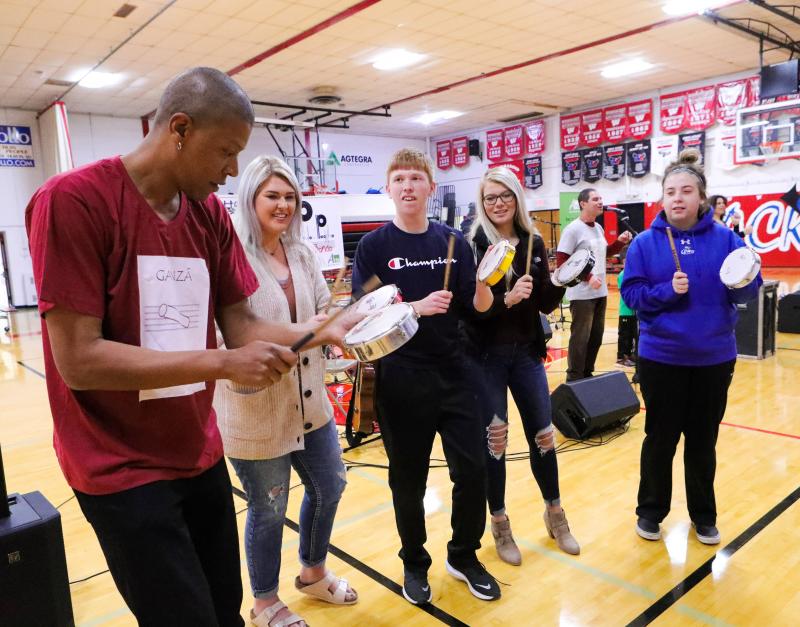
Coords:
767,431
705,569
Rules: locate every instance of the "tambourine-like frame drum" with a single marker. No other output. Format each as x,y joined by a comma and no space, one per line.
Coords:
383,332
575,269
378,299
740,267
496,262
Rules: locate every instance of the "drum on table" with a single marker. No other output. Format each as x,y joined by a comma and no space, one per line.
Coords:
383,332
739,268
378,299
496,262
575,269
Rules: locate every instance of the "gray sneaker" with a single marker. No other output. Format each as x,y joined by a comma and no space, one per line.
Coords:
648,529
416,588
707,534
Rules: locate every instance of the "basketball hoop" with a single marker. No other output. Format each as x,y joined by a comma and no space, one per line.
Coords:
771,151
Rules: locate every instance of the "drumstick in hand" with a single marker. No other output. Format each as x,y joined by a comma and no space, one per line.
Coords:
530,252
451,244
674,251
370,285
336,284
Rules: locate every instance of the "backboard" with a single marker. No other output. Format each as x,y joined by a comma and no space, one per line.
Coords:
768,132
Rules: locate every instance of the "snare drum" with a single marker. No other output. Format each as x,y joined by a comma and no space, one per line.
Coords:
382,332
575,269
739,268
496,262
378,299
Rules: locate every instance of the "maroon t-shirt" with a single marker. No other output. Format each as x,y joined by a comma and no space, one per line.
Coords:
99,249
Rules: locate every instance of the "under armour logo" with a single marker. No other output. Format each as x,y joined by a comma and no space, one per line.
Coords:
685,242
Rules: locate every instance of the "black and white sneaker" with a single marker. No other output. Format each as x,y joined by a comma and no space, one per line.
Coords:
416,588
648,529
707,534
480,583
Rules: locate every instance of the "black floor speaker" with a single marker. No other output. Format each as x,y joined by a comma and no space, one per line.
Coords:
789,313
34,589
755,328
588,406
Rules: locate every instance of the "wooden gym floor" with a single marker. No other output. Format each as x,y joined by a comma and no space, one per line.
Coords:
751,578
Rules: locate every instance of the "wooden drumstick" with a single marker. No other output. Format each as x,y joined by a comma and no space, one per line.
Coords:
674,250
530,252
336,284
368,286
451,244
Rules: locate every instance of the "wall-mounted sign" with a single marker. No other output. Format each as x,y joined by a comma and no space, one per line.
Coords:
16,148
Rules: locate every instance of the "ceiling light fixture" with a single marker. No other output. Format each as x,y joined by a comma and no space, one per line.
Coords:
395,59
625,68
281,122
685,7
96,80
437,116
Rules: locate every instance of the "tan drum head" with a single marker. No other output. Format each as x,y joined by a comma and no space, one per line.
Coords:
378,299
378,324
570,271
739,268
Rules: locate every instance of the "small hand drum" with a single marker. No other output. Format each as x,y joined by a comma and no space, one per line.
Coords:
378,299
739,268
383,332
496,262
575,269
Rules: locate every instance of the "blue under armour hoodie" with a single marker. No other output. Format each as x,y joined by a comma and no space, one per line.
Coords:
692,329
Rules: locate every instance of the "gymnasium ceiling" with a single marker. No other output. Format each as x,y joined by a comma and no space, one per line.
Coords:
490,60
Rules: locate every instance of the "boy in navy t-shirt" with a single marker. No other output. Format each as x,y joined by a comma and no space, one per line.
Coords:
424,387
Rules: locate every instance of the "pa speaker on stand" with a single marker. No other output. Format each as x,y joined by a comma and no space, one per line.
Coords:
588,406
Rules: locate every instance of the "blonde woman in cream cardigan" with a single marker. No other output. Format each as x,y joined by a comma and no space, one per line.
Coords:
290,424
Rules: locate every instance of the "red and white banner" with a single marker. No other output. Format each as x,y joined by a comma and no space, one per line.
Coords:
754,83
640,119
461,152
701,105
534,137
513,141
570,132
494,145
673,112
592,128
731,97
515,165
615,123
444,154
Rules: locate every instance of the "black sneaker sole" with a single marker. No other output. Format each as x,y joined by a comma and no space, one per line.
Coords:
462,577
413,602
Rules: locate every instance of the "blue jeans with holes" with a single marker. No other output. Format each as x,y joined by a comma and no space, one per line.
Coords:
266,482
515,367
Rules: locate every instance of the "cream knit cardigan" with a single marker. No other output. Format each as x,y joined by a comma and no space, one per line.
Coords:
272,422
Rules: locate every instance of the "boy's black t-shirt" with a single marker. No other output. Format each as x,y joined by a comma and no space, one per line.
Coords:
415,262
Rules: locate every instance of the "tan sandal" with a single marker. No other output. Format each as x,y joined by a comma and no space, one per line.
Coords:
264,618
320,589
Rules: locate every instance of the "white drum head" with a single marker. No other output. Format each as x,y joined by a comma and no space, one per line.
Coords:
378,299
573,266
491,260
378,324
739,268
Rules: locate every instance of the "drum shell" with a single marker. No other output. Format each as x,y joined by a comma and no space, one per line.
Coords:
581,276
505,263
748,277
387,342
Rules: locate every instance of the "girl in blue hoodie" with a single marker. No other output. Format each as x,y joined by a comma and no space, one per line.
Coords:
687,346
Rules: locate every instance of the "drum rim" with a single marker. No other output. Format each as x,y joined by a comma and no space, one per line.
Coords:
504,248
409,312
395,289
589,256
748,276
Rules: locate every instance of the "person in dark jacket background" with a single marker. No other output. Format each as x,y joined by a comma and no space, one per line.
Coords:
508,343
687,346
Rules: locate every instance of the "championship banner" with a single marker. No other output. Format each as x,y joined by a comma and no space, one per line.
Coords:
570,132
534,137
592,128
693,140
701,105
461,152
570,167
444,151
754,97
614,162
664,152
638,154
615,123
592,164
515,165
640,119
513,141
533,172
494,145
731,97
673,112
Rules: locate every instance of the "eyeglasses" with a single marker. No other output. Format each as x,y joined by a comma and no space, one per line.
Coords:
491,199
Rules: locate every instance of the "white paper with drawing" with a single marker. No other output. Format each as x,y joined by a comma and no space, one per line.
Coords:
173,311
